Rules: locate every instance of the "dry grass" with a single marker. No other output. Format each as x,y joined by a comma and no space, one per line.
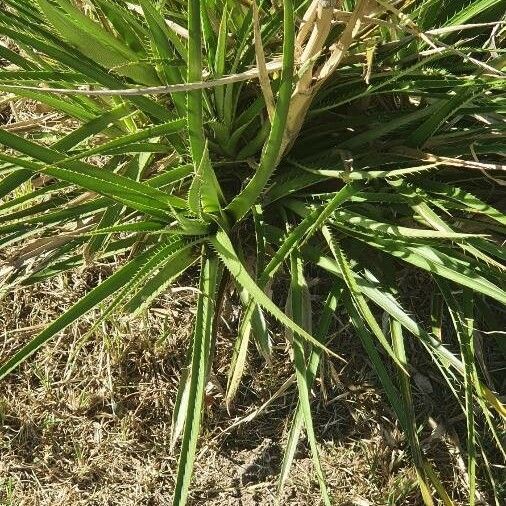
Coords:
87,422
92,428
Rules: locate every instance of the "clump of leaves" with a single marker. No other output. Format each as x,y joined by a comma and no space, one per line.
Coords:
256,137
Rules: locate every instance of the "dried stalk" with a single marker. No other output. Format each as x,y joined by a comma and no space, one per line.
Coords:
315,28
263,74
272,66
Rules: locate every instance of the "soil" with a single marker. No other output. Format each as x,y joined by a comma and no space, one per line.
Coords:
87,420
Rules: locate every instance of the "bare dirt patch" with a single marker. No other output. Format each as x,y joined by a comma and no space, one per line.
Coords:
87,420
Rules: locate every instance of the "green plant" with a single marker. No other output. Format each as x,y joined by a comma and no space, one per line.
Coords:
368,140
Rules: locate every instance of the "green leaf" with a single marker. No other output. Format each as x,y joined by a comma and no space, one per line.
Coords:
164,44
463,321
201,348
225,250
409,410
271,154
219,63
379,367
446,109
88,302
312,367
300,316
211,192
95,42
471,10
92,127
132,193
357,296
388,303
173,267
